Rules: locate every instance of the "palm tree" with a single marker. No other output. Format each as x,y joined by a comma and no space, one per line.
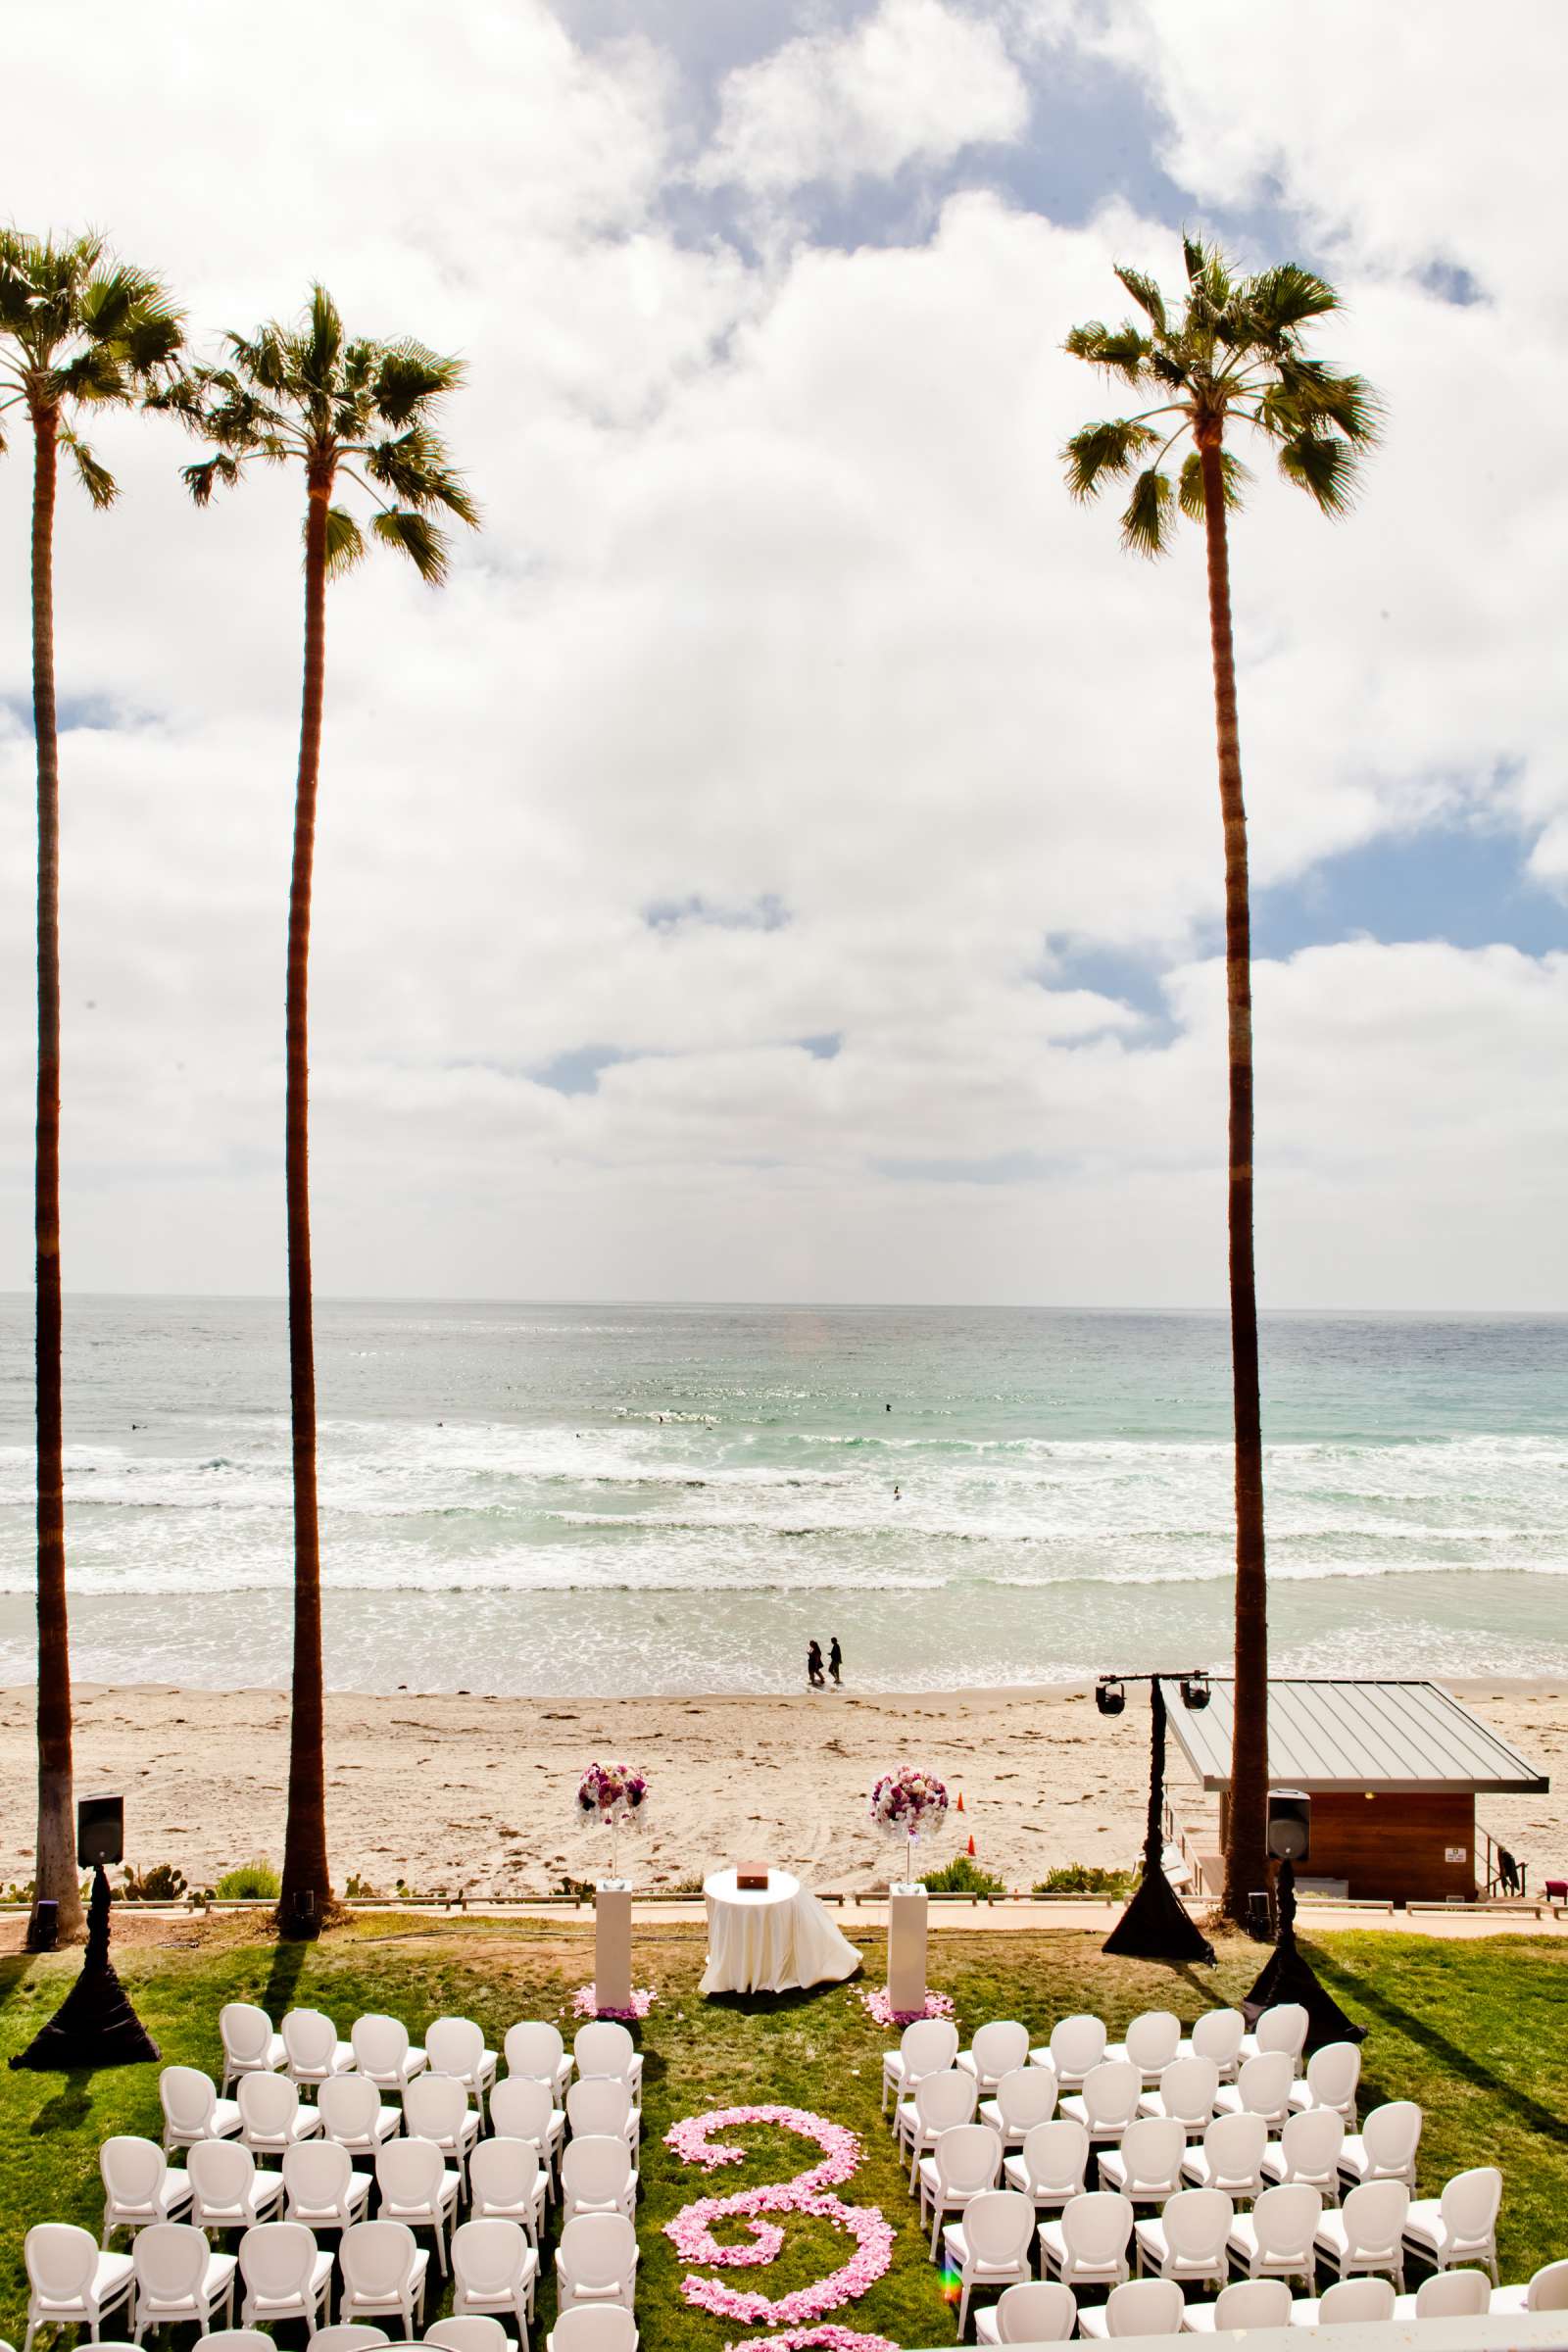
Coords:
343,412
1233,355
79,330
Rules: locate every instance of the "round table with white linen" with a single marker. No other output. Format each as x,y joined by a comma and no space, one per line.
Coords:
773,1938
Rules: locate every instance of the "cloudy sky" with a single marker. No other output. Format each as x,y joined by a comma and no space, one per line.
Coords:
784,863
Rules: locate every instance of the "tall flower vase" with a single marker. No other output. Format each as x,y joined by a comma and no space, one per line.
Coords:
612,1947
906,1947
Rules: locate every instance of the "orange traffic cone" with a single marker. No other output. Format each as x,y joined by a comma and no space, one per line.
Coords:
972,1849
960,1800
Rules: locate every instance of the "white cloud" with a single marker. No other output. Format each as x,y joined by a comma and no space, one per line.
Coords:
916,81
779,597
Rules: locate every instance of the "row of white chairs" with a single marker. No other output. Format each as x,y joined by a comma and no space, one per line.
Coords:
221,2185
1079,2044
308,2050
587,2328
267,2117
173,2275
1114,2096
1044,2311
1199,2237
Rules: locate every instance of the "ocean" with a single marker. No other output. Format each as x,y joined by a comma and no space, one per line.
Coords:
604,1499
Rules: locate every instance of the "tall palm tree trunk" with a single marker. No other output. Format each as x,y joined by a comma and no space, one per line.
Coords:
1246,1845
307,1888
57,1840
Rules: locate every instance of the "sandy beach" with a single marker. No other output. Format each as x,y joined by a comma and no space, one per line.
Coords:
454,1792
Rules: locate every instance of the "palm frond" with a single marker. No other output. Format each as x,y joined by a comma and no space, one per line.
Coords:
96,479
94,374
1120,350
1324,466
1098,453
345,543
1286,294
1190,483
321,345
1146,526
1308,393
417,538
407,376
1146,293
202,479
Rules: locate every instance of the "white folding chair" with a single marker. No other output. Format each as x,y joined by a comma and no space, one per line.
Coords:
286,2276
352,2112
1385,2147
474,2331
139,2184
456,2046
1275,2239
593,2327
1188,2090
1076,2046
1246,2303
603,2047
415,2187
1461,2224
1547,2290
1086,2243
250,2046
179,2279
1217,2037
321,2187
494,2270
1108,2101
1142,2307
1152,2041
1050,2166
272,2116
1038,2311
312,2049
989,2247
229,2190
1148,2166
1023,2098
930,2046
1307,2150
1190,2238
383,2271
523,2107
1333,2078
1347,2303
1446,2295
1232,2156
535,2052
71,2282
192,2109
603,2104
1282,2028
349,2335
1261,2088
247,2339
998,2049
963,2164
940,2102
435,2107
383,2053
1366,2234
596,2176
596,2261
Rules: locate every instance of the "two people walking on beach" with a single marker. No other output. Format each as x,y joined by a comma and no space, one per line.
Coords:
813,1664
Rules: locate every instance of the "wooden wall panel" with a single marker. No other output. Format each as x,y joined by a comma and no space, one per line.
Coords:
1396,1846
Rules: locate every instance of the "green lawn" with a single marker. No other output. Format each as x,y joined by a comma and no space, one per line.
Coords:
1477,2032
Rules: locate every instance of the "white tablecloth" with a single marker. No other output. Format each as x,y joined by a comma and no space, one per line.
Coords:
773,1941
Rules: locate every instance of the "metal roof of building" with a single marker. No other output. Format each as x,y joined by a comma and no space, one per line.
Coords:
1355,1734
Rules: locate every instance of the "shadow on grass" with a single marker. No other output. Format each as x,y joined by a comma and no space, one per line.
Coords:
770,2004
69,2108
1437,2045
284,1976
13,1973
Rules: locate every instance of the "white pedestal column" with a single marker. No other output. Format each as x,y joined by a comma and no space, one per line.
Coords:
906,1936
612,1944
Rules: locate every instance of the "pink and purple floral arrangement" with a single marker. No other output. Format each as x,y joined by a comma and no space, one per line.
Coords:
612,1793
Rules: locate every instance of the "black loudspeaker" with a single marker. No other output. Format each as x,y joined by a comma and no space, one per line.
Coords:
1290,1825
100,1831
